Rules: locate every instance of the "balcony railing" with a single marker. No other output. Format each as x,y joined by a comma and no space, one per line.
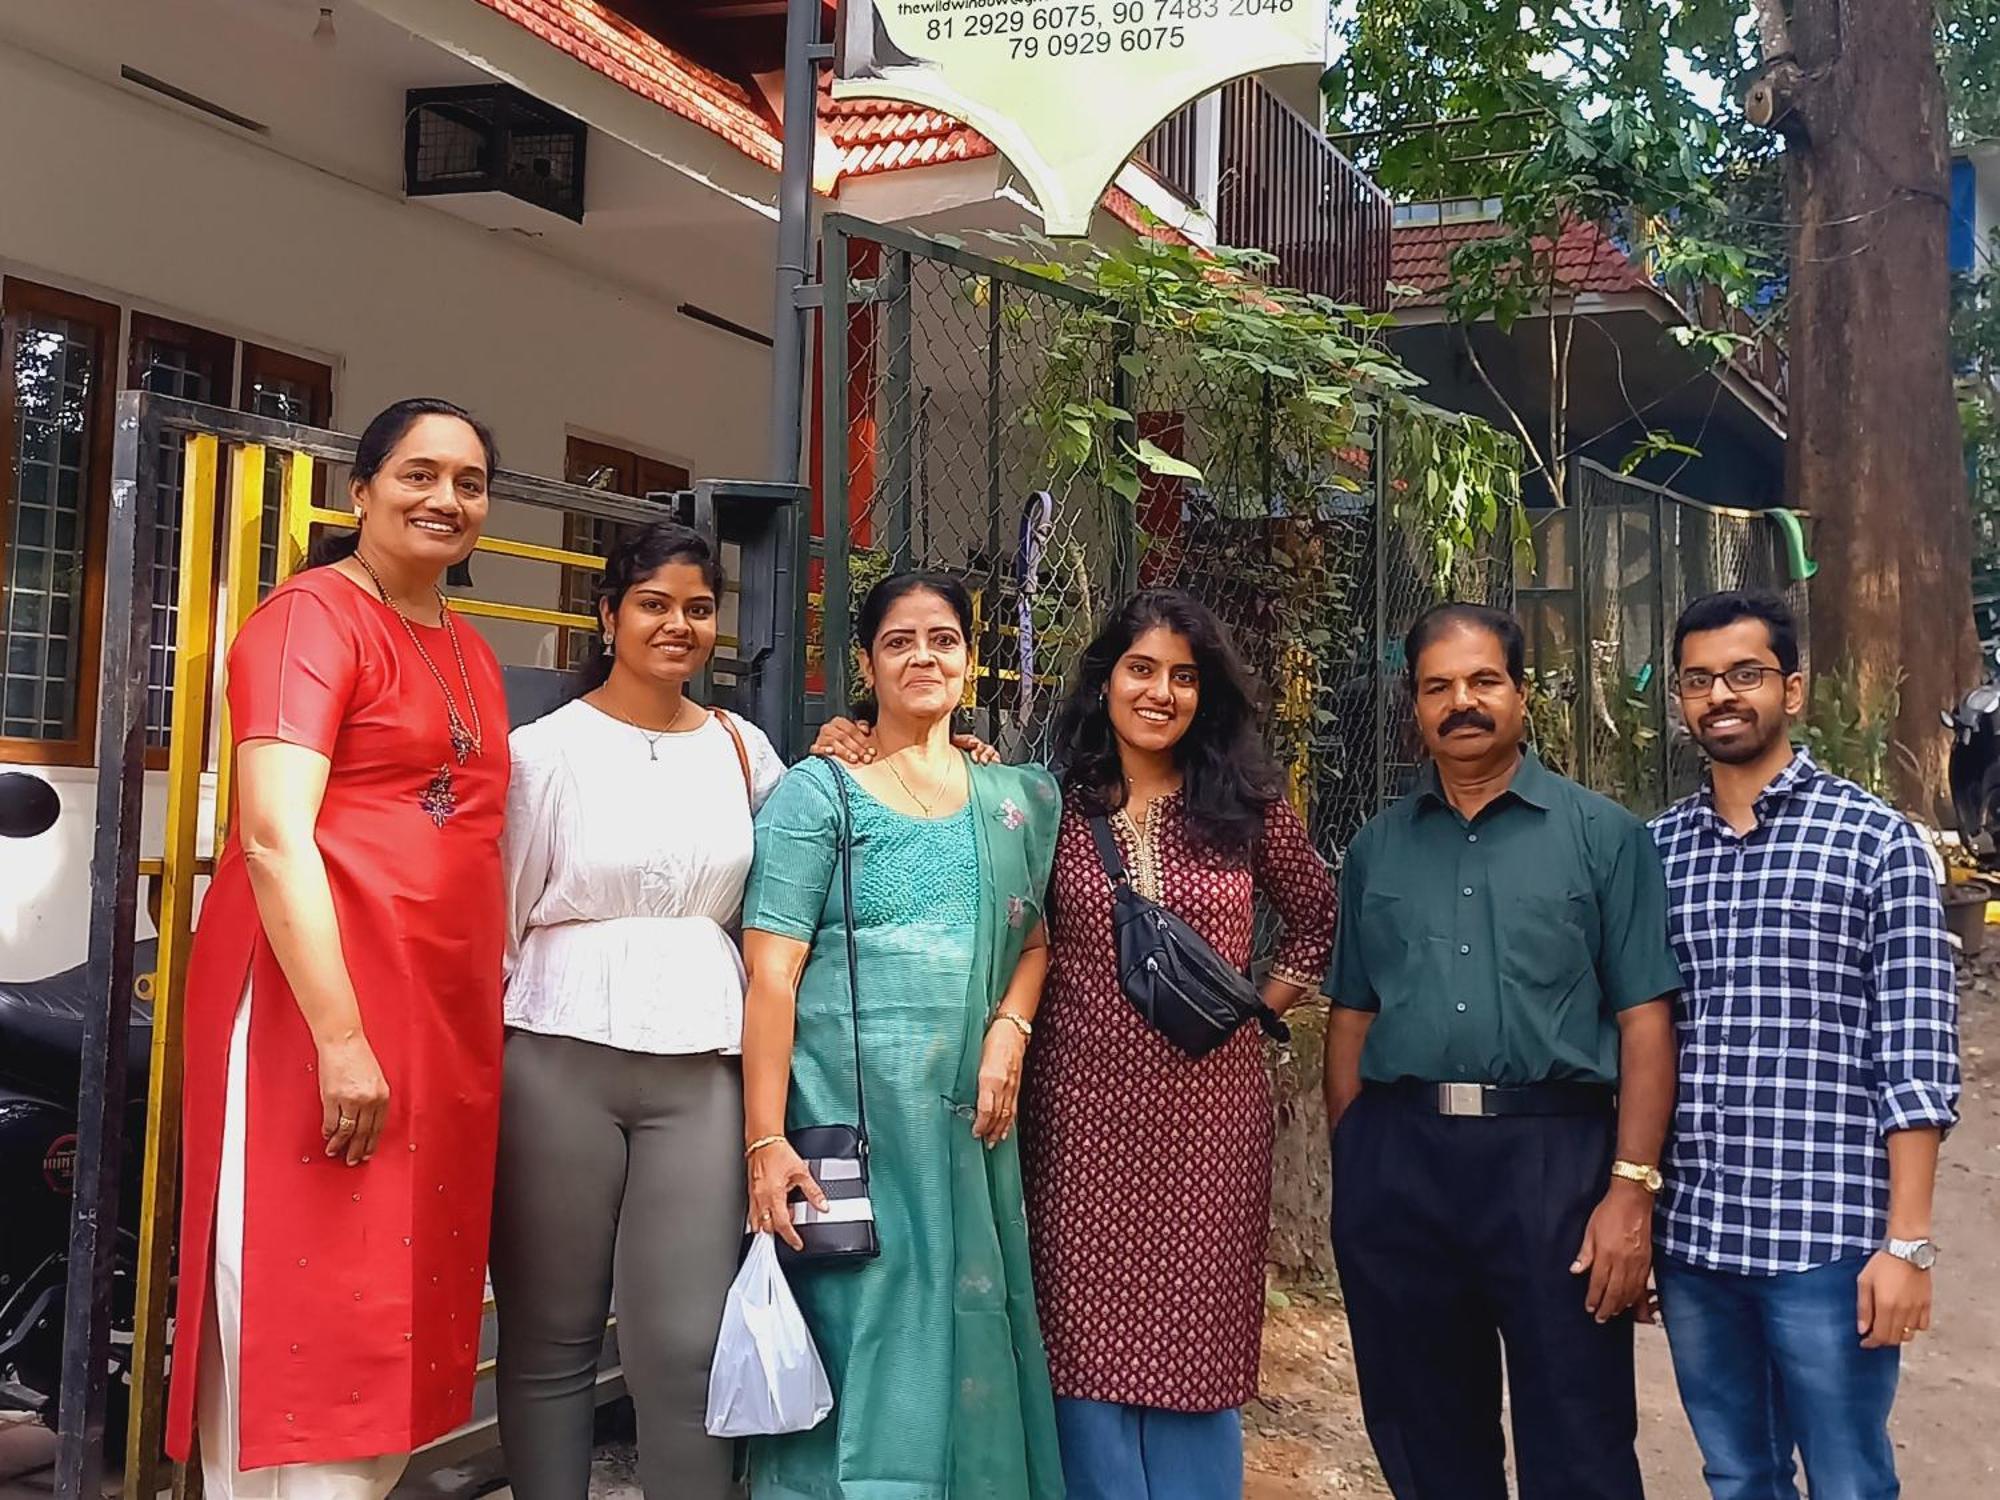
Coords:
1282,187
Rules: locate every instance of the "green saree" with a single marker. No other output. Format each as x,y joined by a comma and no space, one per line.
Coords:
941,1385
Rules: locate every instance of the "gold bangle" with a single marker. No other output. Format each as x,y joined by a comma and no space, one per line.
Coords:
1025,1027
759,1144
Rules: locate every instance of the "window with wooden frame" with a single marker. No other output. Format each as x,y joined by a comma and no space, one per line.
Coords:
600,466
193,364
58,382
291,389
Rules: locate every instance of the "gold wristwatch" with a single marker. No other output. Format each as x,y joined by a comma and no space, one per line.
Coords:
1648,1178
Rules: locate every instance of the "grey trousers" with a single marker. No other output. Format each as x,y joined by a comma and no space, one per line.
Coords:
617,1168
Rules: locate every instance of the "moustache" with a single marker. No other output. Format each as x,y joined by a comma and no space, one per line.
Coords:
1749,718
1465,718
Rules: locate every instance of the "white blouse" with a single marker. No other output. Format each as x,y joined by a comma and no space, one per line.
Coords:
624,873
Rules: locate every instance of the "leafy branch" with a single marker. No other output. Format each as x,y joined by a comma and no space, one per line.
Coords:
1279,395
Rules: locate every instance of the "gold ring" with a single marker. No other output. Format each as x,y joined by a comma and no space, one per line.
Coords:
347,1122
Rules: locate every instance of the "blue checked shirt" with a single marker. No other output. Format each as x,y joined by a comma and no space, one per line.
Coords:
1818,1013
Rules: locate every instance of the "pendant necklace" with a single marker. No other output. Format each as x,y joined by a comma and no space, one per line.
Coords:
936,796
439,798
652,737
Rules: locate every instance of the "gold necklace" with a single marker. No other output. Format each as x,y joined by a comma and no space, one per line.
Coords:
936,796
439,798
652,737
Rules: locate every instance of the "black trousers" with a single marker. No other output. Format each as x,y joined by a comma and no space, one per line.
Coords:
1454,1239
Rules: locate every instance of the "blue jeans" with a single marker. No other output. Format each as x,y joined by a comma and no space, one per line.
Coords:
1766,1363
1116,1452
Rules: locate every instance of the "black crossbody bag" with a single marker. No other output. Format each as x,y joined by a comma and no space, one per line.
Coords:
843,1233
1174,979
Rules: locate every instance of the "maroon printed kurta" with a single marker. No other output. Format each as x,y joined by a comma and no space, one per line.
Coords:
1149,1172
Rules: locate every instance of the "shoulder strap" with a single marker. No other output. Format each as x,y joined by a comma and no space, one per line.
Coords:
742,754
1107,851
853,963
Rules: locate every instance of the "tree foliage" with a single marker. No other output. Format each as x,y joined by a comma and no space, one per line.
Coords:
1975,330
1969,49
1554,115
1281,383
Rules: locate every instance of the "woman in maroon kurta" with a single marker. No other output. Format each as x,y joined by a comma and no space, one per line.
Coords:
1149,1172
343,1005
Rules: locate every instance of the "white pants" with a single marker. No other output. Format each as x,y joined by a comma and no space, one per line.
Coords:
220,1385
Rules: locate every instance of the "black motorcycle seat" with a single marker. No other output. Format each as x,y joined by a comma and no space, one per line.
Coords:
41,1029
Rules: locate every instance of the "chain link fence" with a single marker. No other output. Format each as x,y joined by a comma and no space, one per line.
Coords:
1612,571
932,457
935,376
935,370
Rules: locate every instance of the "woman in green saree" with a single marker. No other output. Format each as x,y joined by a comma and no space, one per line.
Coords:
941,1384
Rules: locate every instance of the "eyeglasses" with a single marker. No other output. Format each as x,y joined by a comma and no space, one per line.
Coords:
1695,683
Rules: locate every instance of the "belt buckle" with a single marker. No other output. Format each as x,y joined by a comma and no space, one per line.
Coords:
1461,1099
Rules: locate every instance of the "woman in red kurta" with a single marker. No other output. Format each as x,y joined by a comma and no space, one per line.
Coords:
1149,1172
343,1005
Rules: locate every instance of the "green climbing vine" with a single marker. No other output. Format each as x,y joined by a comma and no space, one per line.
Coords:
1280,393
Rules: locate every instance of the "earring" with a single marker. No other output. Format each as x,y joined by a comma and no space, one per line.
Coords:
607,637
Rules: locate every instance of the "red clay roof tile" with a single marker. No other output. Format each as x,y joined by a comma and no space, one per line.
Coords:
1586,258
867,135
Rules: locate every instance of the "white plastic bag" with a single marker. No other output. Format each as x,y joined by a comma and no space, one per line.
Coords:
766,1376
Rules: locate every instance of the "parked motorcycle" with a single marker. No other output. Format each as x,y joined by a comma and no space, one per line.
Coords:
1975,765
41,1043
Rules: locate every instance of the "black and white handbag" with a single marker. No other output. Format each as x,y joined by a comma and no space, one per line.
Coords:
842,1233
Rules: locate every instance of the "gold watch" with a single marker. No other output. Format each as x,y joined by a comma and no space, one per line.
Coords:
1648,1178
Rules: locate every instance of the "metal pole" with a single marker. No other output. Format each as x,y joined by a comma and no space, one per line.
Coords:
788,325
1383,439
114,912
1658,649
895,291
1583,506
836,522
1125,395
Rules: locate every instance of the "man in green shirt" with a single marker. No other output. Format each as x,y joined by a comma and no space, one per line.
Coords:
1500,1074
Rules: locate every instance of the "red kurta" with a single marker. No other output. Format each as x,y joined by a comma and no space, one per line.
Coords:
1149,1172
362,1286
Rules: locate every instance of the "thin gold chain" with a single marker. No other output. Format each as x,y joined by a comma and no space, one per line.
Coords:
463,737
652,737
936,796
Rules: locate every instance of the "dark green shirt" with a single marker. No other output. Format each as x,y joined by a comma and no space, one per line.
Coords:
1500,950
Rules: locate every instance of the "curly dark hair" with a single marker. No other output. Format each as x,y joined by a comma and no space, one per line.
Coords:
1228,777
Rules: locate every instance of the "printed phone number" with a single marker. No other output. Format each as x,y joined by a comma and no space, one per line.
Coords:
1076,30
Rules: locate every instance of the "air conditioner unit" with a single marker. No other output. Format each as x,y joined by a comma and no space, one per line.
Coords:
493,139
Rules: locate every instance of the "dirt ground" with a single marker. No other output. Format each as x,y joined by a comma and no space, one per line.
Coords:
1305,1434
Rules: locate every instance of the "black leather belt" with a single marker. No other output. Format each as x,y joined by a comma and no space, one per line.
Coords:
1490,1100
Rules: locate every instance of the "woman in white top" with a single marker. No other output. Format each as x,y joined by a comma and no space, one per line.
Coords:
628,842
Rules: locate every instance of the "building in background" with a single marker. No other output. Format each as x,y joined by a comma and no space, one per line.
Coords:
308,210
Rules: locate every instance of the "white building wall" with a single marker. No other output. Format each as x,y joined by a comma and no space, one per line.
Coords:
107,192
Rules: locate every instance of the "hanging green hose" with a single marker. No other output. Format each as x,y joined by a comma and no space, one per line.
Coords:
1801,566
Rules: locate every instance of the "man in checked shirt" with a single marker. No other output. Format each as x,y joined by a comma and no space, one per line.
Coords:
1818,1029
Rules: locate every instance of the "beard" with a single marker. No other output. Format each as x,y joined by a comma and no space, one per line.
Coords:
1742,744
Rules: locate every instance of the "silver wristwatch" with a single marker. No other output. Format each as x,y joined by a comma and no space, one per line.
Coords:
1920,1253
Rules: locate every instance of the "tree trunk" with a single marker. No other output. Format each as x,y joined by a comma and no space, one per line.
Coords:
1875,454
